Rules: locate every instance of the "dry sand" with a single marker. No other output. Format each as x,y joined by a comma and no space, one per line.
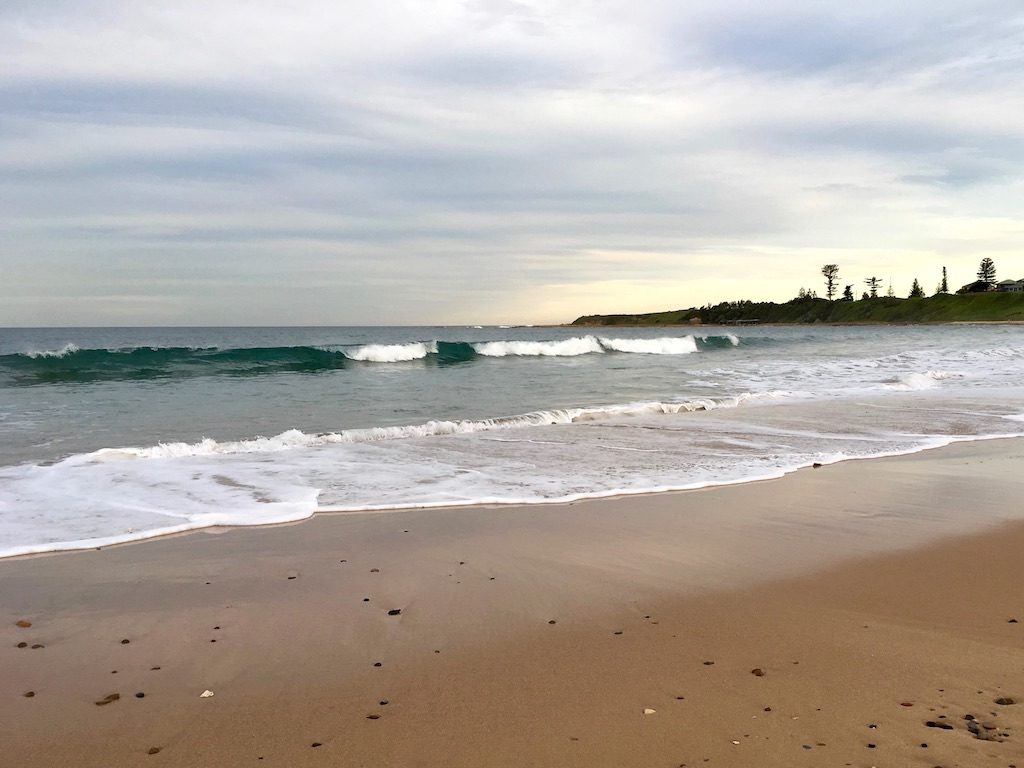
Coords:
874,596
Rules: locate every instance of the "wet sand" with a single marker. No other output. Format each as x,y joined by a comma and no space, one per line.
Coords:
822,619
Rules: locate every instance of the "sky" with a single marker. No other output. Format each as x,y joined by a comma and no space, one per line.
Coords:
496,161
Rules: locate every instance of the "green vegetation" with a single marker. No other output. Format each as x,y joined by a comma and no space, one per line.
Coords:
941,308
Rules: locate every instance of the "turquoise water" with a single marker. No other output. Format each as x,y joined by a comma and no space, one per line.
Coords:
117,434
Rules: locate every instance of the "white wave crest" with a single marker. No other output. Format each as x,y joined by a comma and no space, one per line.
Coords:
916,381
579,345
67,349
391,353
663,346
296,439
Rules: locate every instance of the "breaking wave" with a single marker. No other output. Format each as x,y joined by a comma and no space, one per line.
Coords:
294,439
72,365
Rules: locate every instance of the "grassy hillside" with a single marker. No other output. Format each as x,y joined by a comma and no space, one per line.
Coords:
944,308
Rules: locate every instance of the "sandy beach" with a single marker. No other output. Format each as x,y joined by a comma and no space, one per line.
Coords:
868,613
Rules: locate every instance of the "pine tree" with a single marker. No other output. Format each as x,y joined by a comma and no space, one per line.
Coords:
944,285
916,291
848,293
831,273
987,271
872,283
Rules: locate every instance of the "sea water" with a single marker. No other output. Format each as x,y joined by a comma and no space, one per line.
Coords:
111,435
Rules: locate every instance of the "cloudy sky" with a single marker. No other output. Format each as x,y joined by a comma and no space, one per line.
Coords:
495,160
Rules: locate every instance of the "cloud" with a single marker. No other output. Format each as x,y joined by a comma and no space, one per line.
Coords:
256,163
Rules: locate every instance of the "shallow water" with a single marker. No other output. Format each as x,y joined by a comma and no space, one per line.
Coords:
117,434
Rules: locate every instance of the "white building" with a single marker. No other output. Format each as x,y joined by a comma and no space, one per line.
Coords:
1011,286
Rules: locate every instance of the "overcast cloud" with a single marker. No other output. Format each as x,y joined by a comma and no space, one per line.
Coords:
495,160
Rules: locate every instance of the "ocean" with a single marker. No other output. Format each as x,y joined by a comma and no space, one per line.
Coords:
117,434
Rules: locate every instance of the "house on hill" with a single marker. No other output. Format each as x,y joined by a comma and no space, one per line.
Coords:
1011,286
978,286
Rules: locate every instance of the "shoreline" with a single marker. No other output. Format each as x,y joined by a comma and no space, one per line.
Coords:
109,542
876,593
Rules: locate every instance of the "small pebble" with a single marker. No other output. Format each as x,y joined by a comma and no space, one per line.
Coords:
29,694
125,641
37,645
140,695
23,623
552,622
708,663
316,744
377,664
153,751
22,644
395,612
757,672
373,717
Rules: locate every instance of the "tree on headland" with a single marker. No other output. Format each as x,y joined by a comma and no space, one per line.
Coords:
872,283
987,271
848,293
831,274
944,285
916,291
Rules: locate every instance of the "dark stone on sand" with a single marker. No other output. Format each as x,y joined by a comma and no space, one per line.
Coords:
316,744
375,570
767,709
395,612
806,746
216,627
373,717
125,641
552,622
906,704
153,669
936,724
383,702
816,465
213,641
1003,701
757,672
29,694
153,751
343,561
871,746
292,577
140,695
22,644
617,632
462,562
23,623
680,698
377,664
366,599
1011,621
110,697
37,645
708,663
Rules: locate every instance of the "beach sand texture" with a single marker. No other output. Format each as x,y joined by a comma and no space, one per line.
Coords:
869,613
